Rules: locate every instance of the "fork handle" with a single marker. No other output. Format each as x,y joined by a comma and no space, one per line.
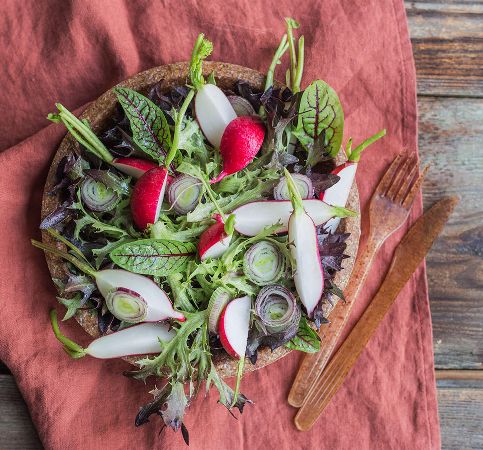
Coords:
313,363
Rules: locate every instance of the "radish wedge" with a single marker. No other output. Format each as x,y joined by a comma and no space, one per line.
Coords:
147,197
136,340
233,326
213,112
134,167
215,241
252,218
338,194
136,297
309,276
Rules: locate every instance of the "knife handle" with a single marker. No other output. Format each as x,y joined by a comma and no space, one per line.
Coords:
313,363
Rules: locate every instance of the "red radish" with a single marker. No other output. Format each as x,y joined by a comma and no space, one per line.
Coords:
213,112
252,218
130,297
233,326
338,194
134,167
133,297
214,241
309,276
147,197
139,339
240,143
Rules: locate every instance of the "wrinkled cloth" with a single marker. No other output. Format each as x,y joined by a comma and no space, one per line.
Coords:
72,51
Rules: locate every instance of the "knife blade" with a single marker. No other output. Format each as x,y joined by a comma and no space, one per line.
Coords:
407,258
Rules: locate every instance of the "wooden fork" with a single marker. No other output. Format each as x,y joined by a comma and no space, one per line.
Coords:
388,210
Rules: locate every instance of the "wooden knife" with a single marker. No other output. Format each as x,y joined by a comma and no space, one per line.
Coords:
407,258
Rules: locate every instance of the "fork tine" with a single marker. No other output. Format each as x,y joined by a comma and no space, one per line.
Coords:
414,190
387,178
399,177
403,190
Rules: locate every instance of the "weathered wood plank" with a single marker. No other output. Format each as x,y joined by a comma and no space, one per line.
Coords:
461,413
447,42
450,138
16,429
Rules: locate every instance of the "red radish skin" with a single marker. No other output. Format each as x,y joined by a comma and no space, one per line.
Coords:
241,141
134,167
147,197
233,326
338,194
213,241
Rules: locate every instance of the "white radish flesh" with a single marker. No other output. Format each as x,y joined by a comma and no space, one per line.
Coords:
252,218
134,167
213,112
309,276
217,249
233,326
158,305
338,194
136,340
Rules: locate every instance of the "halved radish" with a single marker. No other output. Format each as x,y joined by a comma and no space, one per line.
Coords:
139,339
133,297
130,297
252,218
214,241
233,326
147,197
338,194
213,111
309,276
241,141
134,167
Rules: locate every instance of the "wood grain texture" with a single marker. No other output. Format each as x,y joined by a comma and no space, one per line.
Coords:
450,138
447,40
16,429
461,413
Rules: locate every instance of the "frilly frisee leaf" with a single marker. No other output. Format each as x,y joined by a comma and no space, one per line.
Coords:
306,340
202,49
153,257
191,140
320,114
72,305
165,230
148,123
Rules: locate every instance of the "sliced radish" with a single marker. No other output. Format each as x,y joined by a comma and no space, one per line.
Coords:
218,301
241,141
309,276
213,112
133,297
233,326
214,241
134,167
338,194
139,339
252,218
147,197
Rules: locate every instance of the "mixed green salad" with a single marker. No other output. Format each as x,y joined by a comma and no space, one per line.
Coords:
204,221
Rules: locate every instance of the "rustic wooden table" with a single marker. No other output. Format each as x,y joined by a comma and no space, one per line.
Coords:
447,38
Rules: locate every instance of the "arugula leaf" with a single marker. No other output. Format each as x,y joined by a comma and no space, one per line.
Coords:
320,114
306,340
72,305
153,257
148,124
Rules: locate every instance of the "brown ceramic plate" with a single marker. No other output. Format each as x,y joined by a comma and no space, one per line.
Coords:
170,76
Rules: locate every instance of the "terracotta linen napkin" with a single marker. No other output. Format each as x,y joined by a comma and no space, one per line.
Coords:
72,51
